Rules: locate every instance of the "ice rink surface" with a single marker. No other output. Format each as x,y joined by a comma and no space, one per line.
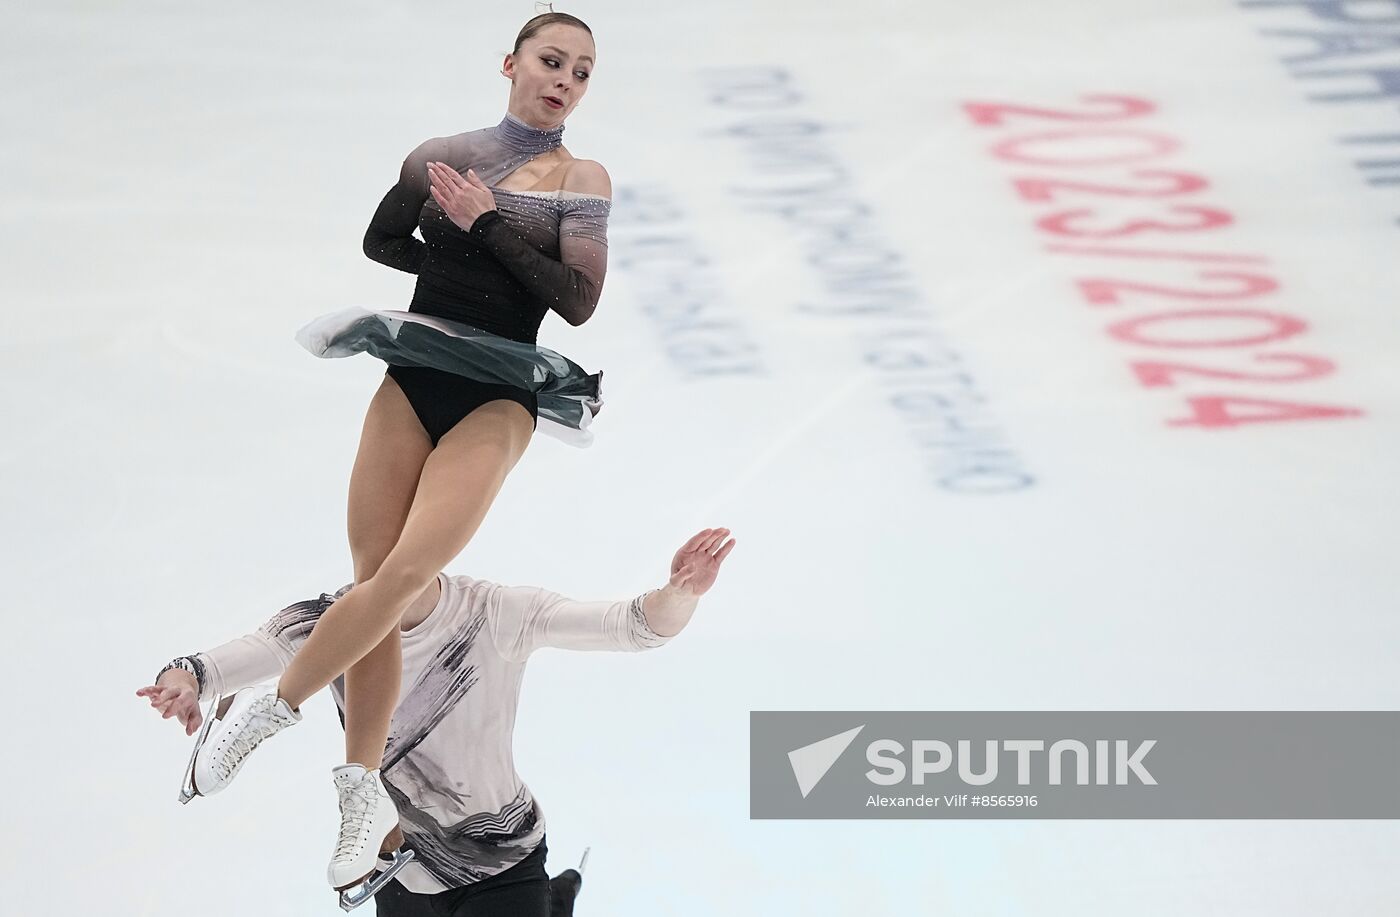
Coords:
1040,356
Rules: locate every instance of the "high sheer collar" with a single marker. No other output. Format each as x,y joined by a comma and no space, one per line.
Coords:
523,138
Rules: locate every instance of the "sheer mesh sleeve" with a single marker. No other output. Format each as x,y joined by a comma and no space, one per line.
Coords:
389,239
572,285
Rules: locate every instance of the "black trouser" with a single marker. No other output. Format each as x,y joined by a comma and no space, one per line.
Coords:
520,891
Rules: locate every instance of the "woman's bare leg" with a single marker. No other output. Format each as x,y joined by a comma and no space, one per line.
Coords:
393,448
459,482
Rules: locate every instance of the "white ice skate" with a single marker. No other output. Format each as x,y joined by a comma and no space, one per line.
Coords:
217,708
233,727
370,838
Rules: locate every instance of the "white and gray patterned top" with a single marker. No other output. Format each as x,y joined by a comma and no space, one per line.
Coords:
464,810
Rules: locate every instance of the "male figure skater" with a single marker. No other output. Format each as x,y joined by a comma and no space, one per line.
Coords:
474,832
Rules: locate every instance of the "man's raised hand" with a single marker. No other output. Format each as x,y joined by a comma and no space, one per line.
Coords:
696,564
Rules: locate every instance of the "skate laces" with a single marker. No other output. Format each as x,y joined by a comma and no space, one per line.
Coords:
261,722
356,814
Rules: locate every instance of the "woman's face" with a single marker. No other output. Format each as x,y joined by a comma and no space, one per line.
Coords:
557,63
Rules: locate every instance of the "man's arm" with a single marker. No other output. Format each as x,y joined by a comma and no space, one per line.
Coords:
252,659
248,660
524,618
668,610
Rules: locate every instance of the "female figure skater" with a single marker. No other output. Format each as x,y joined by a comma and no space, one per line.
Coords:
514,226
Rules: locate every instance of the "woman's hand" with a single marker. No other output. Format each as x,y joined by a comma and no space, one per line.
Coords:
462,199
177,695
696,564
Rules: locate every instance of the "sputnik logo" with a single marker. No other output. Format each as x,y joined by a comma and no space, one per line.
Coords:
811,762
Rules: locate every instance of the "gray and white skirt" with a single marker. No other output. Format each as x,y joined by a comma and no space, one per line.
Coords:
569,396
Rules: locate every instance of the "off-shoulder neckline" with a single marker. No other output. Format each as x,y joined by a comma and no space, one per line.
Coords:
558,193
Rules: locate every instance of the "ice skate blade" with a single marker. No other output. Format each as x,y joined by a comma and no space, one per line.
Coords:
359,893
217,708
